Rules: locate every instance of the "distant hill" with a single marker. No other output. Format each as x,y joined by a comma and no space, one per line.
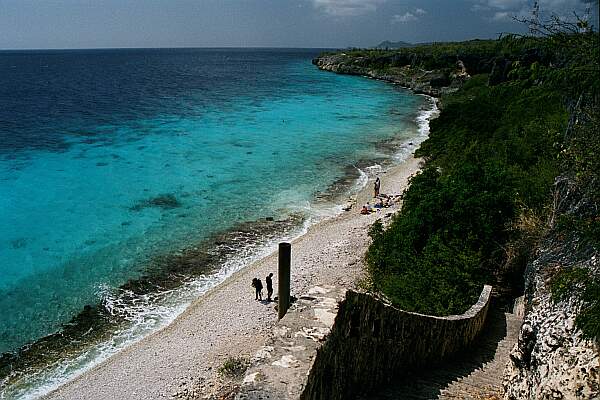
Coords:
386,44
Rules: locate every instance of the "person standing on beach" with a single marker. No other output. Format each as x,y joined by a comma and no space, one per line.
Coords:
376,187
269,280
257,285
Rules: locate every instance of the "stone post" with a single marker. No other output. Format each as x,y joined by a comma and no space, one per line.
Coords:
283,288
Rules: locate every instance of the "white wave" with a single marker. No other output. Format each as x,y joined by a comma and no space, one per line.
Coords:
425,117
362,180
422,120
146,314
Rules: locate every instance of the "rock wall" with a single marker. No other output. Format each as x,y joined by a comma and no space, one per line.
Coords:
551,359
433,83
371,342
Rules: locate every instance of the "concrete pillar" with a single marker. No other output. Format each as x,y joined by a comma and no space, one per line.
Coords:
285,260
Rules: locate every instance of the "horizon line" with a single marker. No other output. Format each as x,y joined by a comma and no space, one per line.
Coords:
167,48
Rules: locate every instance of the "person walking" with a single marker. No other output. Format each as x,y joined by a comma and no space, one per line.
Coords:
376,187
269,280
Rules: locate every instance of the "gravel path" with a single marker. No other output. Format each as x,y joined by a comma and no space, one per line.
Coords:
182,359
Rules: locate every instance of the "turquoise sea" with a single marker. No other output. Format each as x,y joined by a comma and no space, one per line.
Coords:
133,180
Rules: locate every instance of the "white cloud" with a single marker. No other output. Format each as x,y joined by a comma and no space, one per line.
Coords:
406,17
502,16
503,10
346,8
506,4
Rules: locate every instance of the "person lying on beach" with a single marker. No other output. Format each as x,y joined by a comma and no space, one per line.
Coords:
366,209
378,204
257,285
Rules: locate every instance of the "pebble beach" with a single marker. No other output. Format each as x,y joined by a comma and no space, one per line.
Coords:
182,359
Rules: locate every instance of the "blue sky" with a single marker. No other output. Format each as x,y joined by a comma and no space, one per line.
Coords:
27,24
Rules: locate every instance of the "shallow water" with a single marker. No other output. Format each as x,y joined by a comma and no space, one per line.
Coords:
112,160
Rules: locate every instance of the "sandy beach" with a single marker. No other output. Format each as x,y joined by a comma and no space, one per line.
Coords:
182,359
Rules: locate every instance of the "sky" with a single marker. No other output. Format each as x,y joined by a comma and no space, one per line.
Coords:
68,24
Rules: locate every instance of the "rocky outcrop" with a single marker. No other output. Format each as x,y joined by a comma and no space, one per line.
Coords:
551,359
433,83
280,368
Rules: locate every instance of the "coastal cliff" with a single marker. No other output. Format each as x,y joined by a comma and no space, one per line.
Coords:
434,82
516,145
552,359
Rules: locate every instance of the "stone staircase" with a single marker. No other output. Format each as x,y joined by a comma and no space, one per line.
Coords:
475,375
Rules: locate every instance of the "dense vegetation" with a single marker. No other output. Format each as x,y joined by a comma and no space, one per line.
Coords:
526,120
478,56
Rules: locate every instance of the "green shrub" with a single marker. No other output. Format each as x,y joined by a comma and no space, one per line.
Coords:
234,366
491,157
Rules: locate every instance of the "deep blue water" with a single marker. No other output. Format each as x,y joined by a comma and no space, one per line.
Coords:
109,158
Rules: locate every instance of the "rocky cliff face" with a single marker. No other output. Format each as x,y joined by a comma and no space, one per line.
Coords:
551,359
433,83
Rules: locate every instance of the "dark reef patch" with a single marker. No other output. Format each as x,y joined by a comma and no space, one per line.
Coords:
161,274
164,201
18,243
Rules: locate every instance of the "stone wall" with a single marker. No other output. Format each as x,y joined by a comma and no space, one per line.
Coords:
371,342
333,344
279,369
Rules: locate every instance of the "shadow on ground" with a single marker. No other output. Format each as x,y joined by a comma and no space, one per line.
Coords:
428,383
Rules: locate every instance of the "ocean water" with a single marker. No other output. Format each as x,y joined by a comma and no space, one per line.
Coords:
121,166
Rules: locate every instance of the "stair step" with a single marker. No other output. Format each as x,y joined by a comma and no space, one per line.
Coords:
475,376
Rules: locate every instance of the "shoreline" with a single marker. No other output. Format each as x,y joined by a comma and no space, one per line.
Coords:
226,321
398,161
330,209
402,164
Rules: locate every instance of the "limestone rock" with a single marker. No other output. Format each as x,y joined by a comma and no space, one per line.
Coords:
551,359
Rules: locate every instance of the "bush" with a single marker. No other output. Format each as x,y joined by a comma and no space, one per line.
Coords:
491,158
234,366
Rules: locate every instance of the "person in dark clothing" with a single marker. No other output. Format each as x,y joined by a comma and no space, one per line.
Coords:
258,286
269,280
376,187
